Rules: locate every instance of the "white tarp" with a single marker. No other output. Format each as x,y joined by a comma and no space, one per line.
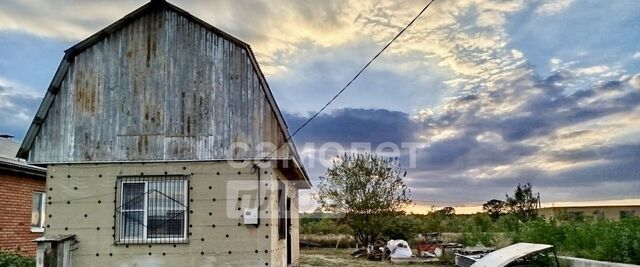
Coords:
399,249
502,257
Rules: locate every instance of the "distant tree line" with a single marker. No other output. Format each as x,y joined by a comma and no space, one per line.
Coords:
363,196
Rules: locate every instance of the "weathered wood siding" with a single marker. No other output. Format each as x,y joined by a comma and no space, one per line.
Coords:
161,88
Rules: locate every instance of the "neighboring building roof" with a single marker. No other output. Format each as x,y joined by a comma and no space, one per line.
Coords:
502,257
70,53
8,148
9,163
593,204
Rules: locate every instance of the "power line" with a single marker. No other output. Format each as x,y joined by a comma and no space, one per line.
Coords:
352,80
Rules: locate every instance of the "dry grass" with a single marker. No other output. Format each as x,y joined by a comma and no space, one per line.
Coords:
339,257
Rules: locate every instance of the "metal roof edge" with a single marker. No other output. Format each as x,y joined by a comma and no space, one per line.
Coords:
19,168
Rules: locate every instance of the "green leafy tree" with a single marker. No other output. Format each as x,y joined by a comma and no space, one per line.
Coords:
447,211
508,223
523,203
478,222
367,190
403,227
494,208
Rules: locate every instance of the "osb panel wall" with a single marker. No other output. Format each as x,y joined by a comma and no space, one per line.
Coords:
279,257
81,202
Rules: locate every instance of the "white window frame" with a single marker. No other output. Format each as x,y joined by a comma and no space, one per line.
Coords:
43,201
144,239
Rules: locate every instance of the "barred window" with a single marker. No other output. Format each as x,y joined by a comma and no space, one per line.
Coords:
151,209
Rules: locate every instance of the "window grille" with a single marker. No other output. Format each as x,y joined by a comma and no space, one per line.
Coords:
151,209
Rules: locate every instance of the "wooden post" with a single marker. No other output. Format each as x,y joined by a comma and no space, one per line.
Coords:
54,251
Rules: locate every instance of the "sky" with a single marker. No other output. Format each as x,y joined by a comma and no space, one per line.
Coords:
490,93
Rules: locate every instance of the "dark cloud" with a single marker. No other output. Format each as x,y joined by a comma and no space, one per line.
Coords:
448,165
346,126
16,110
483,141
611,85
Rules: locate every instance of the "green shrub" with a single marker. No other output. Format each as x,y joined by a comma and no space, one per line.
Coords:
10,259
401,227
508,223
323,226
474,238
479,222
617,241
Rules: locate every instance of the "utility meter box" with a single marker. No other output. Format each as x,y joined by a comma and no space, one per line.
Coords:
251,216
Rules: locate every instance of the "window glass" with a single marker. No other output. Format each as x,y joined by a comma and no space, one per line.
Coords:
166,209
133,196
37,210
132,211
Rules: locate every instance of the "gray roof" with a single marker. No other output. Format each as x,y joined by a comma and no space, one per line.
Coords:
9,162
8,148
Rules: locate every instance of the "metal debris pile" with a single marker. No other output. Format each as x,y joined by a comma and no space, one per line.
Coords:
429,250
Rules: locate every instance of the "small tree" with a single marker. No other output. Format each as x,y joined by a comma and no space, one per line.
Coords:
367,190
403,227
523,204
446,211
494,208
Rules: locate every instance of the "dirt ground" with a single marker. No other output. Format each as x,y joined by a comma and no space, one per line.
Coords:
341,257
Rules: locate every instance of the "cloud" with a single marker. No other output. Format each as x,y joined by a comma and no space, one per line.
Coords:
593,70
347,126
538,141
283,24
554,139
70,21
286,27
456,81
18,104
635,81
551,7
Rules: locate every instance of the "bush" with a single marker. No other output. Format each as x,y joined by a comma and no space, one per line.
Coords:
508,223
617,241
401,227
9,259
474,238
478,222
323,226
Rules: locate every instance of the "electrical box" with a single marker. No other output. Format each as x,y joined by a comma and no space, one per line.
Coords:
251,216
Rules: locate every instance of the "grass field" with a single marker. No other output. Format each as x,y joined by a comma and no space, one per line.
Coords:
339,257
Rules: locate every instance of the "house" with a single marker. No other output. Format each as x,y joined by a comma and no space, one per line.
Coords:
606,211
22,200
165,147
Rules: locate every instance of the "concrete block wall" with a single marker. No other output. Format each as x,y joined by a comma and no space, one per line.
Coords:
16,195
82,203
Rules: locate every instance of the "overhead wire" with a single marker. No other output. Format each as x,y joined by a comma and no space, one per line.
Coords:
352,79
